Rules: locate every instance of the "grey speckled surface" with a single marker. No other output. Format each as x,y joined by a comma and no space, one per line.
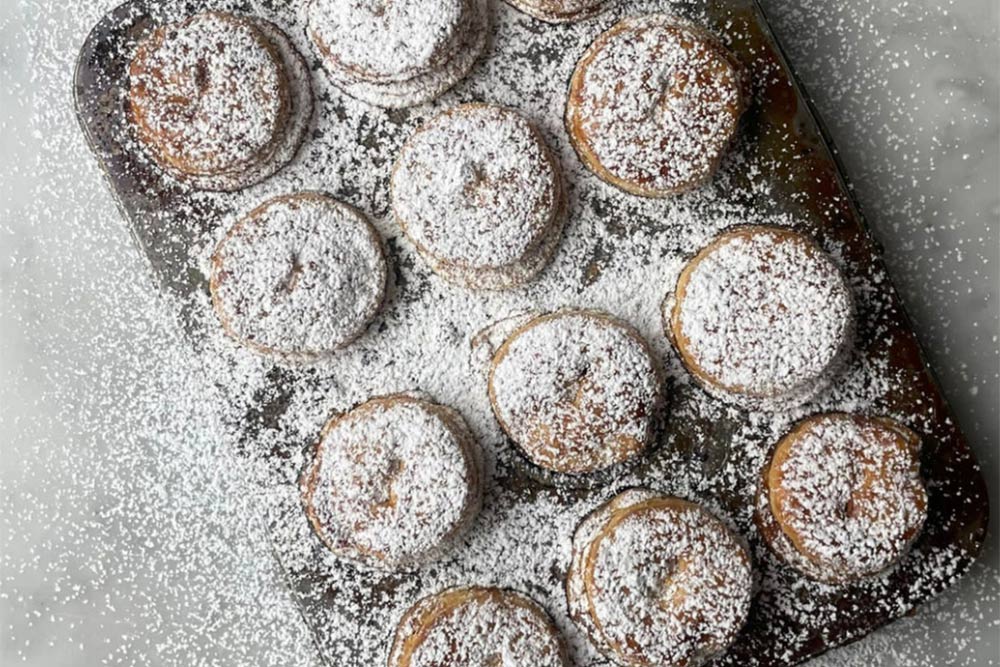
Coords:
94,380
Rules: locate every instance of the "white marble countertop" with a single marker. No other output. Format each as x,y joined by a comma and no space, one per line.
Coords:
99,440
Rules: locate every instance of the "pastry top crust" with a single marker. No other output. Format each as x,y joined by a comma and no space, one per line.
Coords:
476,187
762,312
578,390
842,497
300,276
657,580
654,103
208,95
394,482
387,40
560,11
477,626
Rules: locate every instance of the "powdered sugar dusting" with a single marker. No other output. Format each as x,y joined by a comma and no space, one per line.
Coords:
476,187
397,53
169,571
619,254
654,103
300,276
388,40
477,626
394,481
577,390
848,496
559,11
658,581
763,313
209,94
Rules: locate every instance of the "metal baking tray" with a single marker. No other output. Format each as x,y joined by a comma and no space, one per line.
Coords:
352,612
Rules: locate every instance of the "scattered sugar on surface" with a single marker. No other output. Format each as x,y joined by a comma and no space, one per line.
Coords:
131,534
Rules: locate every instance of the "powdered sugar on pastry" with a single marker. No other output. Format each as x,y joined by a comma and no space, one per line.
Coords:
577,390
846,495
762,313
209,95
559,11
618,254
296,127
220,101
477,626
658,581
300,276
394,481
387,40
479,193
397,53
653,104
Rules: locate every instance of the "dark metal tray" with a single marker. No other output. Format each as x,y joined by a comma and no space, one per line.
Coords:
782,144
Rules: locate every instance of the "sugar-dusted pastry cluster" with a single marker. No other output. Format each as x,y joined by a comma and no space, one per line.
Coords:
761,316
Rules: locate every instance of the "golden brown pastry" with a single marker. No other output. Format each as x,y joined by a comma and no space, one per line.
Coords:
463,627
480,195
653,105
397,53
559,11
577,390
841,498
657,581
218,100
299,277
762,316
394,482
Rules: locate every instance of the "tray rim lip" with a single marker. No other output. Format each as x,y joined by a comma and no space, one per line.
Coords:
80,112
803,96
